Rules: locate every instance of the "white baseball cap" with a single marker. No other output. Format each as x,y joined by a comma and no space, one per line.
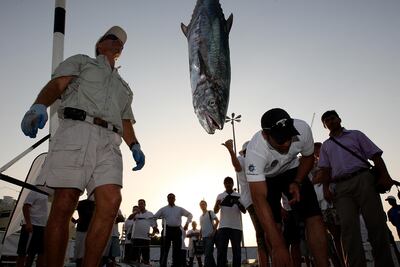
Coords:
114,30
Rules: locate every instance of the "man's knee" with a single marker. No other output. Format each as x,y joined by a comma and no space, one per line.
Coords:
108,199
65,201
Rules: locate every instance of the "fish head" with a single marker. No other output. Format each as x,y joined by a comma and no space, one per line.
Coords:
210,102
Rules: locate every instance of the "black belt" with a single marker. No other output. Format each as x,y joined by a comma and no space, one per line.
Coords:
80,115
346,177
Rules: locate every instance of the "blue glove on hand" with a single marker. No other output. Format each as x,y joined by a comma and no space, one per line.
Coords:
138,156
35,118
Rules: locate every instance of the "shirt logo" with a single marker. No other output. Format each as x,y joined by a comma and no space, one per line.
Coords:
252,168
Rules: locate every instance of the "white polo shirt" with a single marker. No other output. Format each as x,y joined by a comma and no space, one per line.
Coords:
263,161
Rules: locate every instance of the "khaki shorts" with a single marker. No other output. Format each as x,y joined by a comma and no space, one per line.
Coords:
82,156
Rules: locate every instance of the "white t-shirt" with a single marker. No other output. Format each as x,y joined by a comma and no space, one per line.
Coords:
230,217
192,238
263,161
206,223
143,222
245,197
38,210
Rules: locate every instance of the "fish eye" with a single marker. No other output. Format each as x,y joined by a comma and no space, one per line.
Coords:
211,103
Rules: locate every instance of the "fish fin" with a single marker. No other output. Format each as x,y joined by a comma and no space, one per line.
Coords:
229,22
184,29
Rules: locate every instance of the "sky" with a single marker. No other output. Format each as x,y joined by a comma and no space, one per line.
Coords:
306,56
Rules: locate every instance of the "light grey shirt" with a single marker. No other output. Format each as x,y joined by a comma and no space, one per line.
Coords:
173,215
206,223
97,89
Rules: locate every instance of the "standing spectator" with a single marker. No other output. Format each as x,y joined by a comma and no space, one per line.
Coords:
85,212
355,189
95,113
172,217
208,223
113,249
329,214
394,213
128,227
273,168
230,227
33,226
245,198
194,236
143,221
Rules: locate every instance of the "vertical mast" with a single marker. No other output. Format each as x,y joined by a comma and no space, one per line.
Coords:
58,55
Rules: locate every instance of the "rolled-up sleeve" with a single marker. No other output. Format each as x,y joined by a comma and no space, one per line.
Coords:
255,165
69,67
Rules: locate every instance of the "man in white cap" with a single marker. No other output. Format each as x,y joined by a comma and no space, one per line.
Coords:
272,169
95,114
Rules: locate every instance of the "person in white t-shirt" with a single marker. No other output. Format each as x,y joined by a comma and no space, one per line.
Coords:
31,241
194,236
273,168
245,198
230,227
144,220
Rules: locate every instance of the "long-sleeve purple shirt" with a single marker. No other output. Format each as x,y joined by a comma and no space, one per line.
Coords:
340,161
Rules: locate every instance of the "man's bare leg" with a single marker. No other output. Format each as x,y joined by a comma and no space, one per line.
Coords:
316,240
57,229
107,199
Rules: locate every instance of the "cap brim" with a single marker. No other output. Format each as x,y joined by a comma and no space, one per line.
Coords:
283,134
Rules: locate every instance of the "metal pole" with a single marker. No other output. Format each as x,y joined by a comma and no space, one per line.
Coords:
58,55
32,147
232,120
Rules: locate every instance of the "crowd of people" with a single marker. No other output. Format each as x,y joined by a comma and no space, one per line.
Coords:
299,194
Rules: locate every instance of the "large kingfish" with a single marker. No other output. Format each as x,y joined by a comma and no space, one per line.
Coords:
209,63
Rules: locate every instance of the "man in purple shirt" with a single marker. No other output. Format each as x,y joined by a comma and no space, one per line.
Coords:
355,192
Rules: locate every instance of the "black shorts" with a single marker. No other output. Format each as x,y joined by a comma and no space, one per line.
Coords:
308,205
36,243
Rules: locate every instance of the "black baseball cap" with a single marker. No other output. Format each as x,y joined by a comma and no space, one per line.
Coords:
279,125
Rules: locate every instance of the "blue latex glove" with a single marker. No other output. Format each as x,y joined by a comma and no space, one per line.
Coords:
138,156
34,119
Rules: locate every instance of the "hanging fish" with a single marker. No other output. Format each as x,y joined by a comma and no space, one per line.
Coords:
209,63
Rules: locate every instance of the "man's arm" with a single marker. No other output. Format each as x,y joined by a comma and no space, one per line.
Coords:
131,140
53,90
189,217
217,206
235,162
215,225
240,206
384,180
128,132
305,166
280,254
27,217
